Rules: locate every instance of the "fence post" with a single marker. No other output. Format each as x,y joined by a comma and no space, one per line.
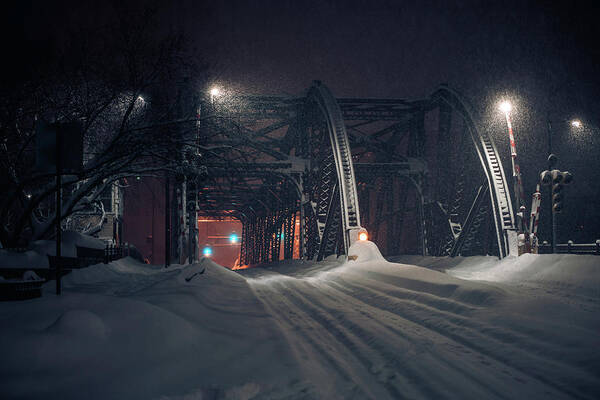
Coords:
569,246
598,247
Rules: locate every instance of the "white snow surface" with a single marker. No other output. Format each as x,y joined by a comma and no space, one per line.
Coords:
523,328
37,254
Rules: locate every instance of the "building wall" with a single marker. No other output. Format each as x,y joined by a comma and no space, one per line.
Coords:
144,217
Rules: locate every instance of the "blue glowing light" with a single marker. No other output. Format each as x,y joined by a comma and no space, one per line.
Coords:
207,252
233,238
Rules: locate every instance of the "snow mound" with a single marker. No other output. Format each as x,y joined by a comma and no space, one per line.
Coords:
70,239
362,251
82,323
36,256
28,259
578,273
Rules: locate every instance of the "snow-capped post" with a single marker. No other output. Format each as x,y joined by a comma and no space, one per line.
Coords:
597,246
569,246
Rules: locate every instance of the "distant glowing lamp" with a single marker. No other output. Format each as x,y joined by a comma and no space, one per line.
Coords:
505,107
207,251
363,236
233,238
215,91
576,123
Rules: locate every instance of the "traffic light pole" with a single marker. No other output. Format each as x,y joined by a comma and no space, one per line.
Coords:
550,195
167,222
58,211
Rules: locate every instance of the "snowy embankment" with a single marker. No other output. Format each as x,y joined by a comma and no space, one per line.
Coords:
363,329
36,256
129,331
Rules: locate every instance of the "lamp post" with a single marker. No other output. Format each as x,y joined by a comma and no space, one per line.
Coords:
506,108
575,123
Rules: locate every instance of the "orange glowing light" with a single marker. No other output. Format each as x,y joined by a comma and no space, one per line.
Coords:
363,236
236,267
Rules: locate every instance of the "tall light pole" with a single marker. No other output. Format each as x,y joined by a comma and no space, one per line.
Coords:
575,123
506,108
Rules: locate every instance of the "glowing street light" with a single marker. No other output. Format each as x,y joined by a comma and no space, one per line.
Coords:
233,238
207,251
505,106
215,91
576,123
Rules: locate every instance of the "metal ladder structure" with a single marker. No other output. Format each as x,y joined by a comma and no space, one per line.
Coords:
343,161
490,161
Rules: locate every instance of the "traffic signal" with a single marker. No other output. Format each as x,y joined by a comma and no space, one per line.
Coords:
557,197
559,178
567,178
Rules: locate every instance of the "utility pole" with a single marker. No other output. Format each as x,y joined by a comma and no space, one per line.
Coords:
167,222
551,163
58,210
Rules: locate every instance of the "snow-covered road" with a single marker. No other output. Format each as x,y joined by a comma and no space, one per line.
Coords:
380,330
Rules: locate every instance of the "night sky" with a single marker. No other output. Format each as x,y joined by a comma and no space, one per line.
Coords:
545,57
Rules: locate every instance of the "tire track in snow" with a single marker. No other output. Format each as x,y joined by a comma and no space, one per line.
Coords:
311,342
366,366
387,365
390,321
472,334
389,352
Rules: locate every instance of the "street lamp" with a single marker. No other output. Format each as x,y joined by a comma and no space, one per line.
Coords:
575,123
506,107
214,92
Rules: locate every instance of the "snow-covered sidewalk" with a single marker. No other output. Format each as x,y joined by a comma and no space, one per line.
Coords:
364,329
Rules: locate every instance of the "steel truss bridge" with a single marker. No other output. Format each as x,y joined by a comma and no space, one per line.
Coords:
303,175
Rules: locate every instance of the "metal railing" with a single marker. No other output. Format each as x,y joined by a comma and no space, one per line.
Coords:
571,248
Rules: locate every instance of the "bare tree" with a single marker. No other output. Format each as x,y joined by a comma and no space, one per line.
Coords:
124,83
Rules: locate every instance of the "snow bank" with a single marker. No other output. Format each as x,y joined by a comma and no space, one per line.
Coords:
127,330
28,259
36,256
577,273
363,251
70,239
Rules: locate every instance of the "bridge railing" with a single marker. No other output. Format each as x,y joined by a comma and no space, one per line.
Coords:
571,248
